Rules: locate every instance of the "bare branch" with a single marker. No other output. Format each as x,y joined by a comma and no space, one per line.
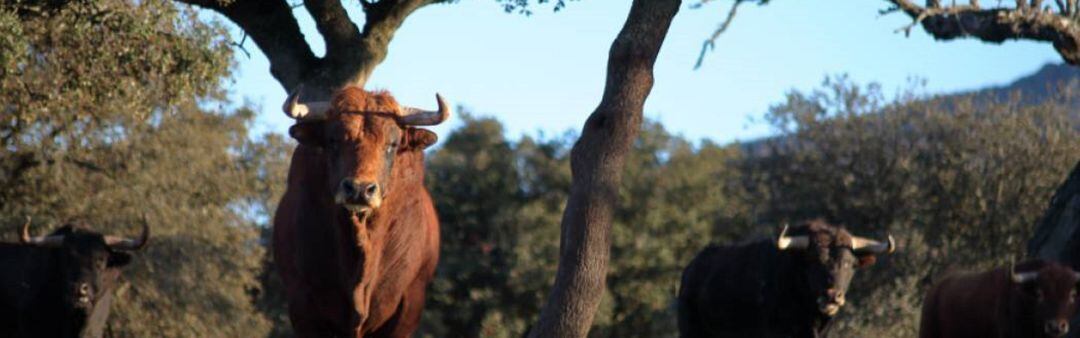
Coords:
710,43
1025,22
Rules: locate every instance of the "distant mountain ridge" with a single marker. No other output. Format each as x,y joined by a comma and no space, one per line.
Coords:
1032,89
1038,86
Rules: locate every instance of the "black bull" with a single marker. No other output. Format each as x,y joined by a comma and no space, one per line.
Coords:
788,287
61,285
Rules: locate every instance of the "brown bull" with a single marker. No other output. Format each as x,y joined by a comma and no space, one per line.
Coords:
356,238
1033,299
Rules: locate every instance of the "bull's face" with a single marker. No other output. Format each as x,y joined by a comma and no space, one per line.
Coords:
362,135
1052,292
361,150
829,268
830,257
88,264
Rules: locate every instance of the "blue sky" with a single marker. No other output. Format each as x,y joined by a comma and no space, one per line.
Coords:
545,73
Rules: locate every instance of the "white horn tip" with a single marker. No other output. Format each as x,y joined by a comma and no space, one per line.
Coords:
444,108
782,242
292,106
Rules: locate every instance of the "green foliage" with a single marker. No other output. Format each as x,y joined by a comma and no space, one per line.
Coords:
497,202
500,204
524,7
103,119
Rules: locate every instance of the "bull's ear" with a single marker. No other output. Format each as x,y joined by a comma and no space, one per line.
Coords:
866,260
418,138
308,133
118,259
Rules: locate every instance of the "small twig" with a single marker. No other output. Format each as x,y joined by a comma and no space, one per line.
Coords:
891,10
241,45
711,42
907,29
700,4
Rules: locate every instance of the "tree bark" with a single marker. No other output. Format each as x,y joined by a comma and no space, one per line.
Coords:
596,163
1056,237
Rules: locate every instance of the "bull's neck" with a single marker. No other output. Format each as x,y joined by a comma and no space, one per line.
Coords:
793,282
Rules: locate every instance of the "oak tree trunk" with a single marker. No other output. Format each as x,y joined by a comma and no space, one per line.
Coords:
596,163
1055,236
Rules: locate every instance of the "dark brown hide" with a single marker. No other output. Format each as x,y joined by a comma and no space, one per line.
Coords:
760,290
991,304
353,270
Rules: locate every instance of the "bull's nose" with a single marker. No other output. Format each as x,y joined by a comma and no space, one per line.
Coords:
82,294
357,192
835,296
1057,328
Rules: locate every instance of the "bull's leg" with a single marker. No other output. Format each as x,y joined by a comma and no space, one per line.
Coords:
306,326
314,316
689,323
407,317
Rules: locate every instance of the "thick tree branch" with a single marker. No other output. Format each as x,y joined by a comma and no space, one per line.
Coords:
339,33
596,163
383,20
271,25
1028,21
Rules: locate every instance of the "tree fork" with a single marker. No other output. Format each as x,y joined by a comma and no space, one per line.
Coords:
351,55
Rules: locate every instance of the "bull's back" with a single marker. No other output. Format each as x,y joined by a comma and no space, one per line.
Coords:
966,305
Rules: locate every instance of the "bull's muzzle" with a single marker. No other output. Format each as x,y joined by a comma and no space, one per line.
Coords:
82,295
359,196
1056,327
830,304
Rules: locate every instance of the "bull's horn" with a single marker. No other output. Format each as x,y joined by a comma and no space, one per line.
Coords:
419,117
315,110
1021,277
791,242
868,245
123,243
42,241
